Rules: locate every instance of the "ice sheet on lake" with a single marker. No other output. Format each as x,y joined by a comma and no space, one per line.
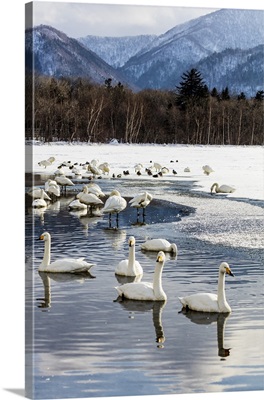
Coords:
235,219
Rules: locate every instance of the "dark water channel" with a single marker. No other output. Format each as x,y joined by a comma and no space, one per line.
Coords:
86,344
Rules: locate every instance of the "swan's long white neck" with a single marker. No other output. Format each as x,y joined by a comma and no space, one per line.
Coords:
131,260
216,186
46,257
157,284
222,303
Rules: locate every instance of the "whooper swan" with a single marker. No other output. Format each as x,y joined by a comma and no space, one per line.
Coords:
63,265
146,290
130,267
222,188
159,245
208,302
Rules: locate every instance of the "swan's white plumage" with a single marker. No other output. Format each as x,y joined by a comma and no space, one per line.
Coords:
36,193
40,203
209,302
64,265
95,189
222,189
115,203
129,267
52,187
207,169
141,200
90,199
146,290
77,205
64,181
159,245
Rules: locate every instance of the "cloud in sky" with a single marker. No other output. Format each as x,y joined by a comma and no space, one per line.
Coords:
81,19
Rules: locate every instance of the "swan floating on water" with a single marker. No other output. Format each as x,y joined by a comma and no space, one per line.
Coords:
39,203
209,302
146,290
130,267
159,245
222,188
63,265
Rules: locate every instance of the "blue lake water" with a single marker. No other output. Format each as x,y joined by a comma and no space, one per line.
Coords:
86,344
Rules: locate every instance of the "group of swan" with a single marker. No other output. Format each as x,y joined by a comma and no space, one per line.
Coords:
139,290
146,291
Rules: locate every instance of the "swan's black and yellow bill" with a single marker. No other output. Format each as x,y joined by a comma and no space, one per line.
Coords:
41,237
229,272
160,258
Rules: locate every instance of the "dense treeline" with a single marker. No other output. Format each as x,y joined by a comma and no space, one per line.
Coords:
71,110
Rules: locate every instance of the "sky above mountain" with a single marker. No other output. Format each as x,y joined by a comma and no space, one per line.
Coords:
125,18
81,19
78,19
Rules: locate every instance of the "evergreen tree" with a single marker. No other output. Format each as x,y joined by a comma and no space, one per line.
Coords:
225,94
259,95
241,96
192,90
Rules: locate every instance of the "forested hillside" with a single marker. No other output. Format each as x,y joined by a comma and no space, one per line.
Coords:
68,109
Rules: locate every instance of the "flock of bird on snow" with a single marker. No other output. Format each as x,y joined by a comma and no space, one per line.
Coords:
91,198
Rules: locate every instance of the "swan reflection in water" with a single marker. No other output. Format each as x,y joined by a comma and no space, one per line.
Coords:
204,318
152,255
85,219
46,277
128,279
137,306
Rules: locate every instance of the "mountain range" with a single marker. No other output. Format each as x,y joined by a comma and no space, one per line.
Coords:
226,46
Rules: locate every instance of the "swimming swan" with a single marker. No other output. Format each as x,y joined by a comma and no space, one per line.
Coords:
208,302
159,245
65,265
130,267
145,290
222,188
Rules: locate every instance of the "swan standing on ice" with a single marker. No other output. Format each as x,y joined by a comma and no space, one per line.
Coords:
207,169
95,189
64,265
208,302
222,188
63,181
90,199
146,290
142,200
114,205
130,267
159,245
